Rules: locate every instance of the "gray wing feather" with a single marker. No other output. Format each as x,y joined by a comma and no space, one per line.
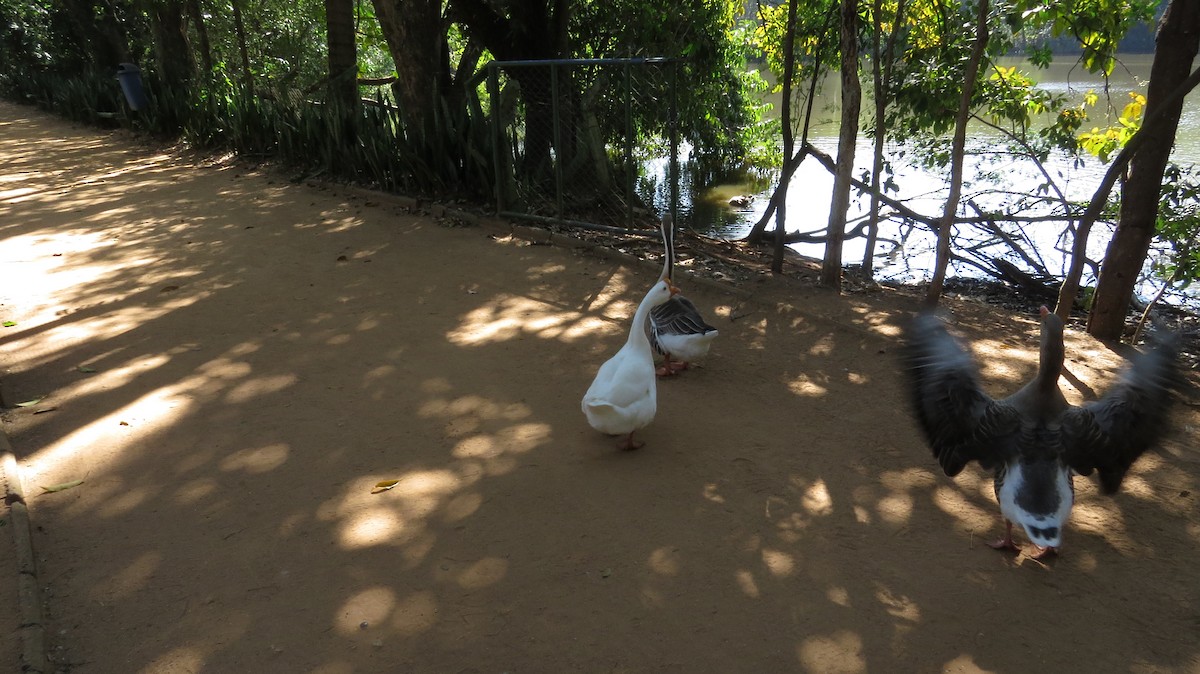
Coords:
1109,434
677,316
960,421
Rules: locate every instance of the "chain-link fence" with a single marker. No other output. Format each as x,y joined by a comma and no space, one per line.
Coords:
587,142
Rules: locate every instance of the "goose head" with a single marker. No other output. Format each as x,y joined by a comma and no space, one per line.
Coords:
660,293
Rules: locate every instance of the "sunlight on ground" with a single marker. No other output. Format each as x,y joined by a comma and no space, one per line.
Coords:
256,460
816,499
664,561
954,503
152,413
781,564
259,387
230,628
484,438
379,606
838,596
822,347
179,659
53,258
14,195
836,653
1102,517
1005,364
898,606
895,509
803,386
745,581
483,573
880,322
964,664
130,579
365,608
511,317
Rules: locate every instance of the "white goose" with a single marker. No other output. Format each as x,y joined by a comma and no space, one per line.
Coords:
623,396
676,327
1033,439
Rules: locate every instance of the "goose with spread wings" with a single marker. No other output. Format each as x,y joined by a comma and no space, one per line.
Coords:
677,330
1034,440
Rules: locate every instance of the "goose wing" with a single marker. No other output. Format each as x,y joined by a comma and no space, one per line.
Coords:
960,421
679,316
1109,434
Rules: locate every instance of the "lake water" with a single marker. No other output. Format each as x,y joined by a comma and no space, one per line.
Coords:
707,209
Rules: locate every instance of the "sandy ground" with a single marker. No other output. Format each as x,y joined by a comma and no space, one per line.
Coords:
229,362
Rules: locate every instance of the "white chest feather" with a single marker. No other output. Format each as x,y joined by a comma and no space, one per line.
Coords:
1039,498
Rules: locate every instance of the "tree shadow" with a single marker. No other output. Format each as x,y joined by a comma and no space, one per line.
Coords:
783,516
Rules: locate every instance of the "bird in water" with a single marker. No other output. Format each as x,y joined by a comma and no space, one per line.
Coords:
623,396
676,328
1034,439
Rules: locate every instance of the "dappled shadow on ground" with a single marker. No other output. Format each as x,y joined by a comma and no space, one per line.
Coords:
234,362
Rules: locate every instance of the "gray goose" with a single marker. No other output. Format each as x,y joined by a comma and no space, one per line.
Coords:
676,328
1033,439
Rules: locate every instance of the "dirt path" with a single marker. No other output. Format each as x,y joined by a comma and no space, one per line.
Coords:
229,362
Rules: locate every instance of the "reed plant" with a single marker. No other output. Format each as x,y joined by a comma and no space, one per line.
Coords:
374,144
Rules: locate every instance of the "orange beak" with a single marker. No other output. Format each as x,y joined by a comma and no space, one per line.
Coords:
674,290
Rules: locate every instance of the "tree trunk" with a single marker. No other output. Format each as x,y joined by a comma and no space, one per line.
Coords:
957,150
172,51
789,66
881,72
831,267
239,27
1177,43
791,163
1070,285
343,55
533,29
196,14
415,37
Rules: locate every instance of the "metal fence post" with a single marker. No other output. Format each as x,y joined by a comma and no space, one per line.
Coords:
673,135
558,154
497,133
629,169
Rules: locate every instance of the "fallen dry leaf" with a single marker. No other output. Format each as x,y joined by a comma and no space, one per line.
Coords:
384,486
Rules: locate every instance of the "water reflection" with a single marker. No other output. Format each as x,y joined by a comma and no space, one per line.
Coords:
706,208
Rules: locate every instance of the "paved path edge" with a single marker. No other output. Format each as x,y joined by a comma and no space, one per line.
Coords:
29,598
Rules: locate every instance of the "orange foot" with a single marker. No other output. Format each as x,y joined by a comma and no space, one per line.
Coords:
628,444
1041,553
670,367
1005,543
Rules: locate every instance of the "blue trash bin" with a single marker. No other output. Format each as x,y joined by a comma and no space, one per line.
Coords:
130,77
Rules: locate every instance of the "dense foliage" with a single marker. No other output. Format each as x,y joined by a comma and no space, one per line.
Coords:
260,78
253,76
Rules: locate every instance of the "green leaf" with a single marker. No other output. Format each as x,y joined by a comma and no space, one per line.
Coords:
9,324
61,487
29,403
